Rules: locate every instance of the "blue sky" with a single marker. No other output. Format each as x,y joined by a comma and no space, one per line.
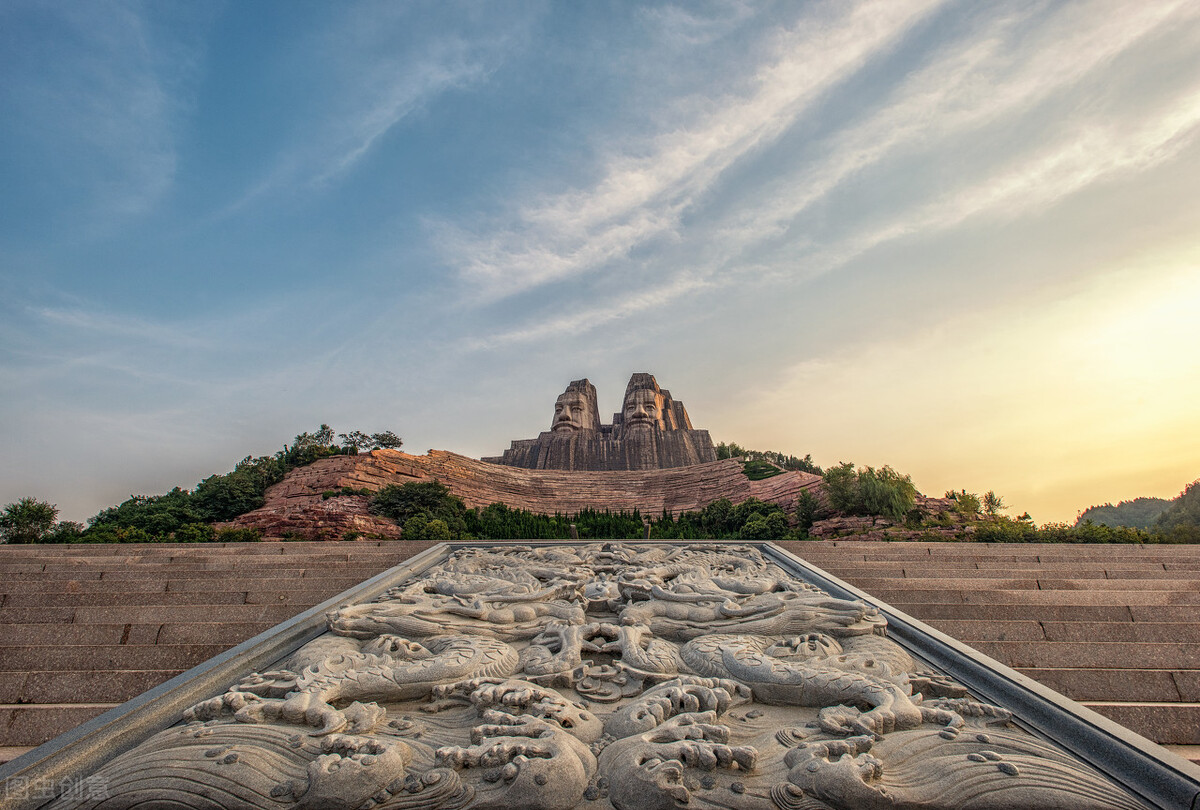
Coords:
959,238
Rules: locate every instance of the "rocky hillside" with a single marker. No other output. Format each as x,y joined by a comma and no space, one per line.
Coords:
295,507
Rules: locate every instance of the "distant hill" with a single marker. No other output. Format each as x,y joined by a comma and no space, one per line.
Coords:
1140,513
1183,511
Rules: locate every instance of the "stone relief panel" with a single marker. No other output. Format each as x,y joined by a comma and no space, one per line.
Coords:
609,675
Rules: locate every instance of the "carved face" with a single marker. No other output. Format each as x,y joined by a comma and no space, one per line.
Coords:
644,409
572,412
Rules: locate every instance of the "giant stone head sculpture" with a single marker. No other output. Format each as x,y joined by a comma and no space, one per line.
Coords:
576,409
647,406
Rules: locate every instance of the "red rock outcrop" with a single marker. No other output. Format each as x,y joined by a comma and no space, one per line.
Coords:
295,506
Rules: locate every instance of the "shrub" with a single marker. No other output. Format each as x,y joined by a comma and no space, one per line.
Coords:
807,508
194,533
65,531
764,527
869,491
239,535
1184,511
773,457
966,503
27,521
886,492
757,470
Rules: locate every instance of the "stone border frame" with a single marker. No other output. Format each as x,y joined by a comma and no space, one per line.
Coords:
1159,777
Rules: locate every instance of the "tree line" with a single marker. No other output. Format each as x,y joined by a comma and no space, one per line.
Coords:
187,515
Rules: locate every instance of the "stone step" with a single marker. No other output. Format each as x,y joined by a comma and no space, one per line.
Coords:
1034,572
1131,685
1165,632
80,686
1101,655
971,630
1169,723
69,635
1000,629
263,548
326,584
932,611
25,600
165,614
34,725
205,584
890,594
877,549
294,568
990,584
106,657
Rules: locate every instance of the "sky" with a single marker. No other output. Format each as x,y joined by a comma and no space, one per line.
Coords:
961,239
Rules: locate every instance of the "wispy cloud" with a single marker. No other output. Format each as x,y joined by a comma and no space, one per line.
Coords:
1025,186
94,324
635,301
364,84
641,196
96,95
996,74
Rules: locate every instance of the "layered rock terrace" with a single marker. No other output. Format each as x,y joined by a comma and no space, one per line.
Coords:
295,505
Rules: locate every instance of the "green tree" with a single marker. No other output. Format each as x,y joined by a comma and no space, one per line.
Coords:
27,521
429,500
155,515
807,508
993,504
886,492
1140,513
729,450
194,533
869,491
1184,510
65,531
764,527
355,440
386,439
841,487
967,503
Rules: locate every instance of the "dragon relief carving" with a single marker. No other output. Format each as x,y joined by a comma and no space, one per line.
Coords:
606,675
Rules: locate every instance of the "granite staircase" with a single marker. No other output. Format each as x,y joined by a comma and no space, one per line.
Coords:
1114,627
84,628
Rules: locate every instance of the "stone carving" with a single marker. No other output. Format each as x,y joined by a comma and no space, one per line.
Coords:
609,675
652,431
576,409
